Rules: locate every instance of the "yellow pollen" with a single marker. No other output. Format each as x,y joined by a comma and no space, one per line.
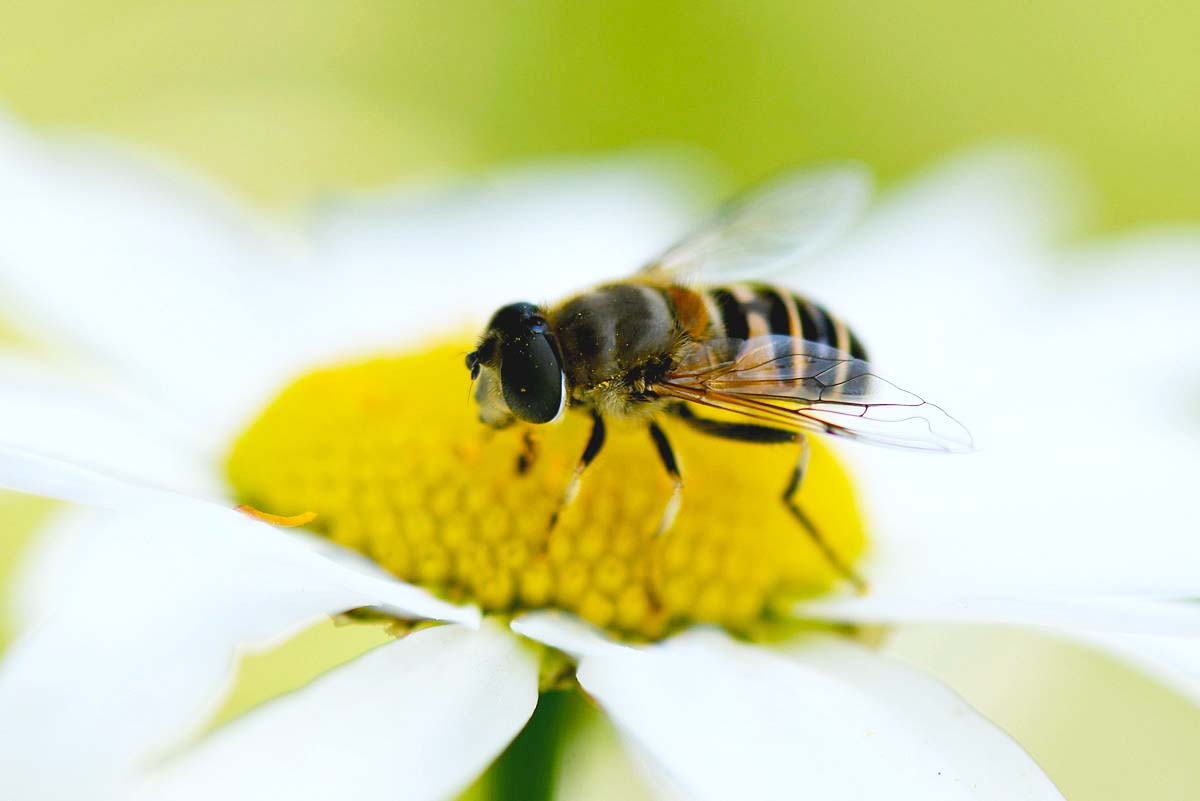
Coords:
389,455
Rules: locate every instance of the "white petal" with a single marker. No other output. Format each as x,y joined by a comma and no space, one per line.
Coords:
140,618
417,719
565,632
829,720
92,424
419,263
982,756
1111,614
1047,511
942,250
141,266
205,553
36,474
1148,281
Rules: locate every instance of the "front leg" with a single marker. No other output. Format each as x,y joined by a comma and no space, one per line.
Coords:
594,444
528,454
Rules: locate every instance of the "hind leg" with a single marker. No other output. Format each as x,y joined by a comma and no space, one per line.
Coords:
749,432
810,528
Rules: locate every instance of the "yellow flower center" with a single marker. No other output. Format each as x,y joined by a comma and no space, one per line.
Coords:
390,456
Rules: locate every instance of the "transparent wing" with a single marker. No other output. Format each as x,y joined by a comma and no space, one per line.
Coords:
774,226
809,386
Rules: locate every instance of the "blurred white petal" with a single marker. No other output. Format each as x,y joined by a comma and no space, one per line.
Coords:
1095,514
137,631
215,524
418,719
1131,303
140,265
1111,614
201,553
565,632
914,277
37,474
721,719
93,425
416,263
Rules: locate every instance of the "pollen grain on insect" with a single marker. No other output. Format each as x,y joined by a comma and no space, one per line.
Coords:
393,468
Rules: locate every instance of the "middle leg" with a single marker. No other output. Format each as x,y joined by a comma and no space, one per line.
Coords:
667,455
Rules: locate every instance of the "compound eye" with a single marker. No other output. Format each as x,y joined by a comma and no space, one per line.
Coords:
531,377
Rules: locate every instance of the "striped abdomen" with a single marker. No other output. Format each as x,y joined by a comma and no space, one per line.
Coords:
742,311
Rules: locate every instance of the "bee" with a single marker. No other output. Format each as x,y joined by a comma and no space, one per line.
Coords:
662,343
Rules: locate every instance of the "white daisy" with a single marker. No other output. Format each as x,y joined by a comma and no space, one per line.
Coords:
167,318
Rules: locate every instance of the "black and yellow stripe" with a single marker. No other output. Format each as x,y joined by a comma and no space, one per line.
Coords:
742,311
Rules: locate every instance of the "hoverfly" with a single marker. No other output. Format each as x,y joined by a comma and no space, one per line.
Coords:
663,343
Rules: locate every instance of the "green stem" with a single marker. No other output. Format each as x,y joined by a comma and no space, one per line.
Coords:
528,768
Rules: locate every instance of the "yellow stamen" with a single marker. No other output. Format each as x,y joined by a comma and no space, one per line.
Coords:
283,521
397,466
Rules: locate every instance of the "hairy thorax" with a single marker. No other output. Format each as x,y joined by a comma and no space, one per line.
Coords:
616,340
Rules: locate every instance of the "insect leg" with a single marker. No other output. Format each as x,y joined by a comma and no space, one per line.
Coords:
594,444
528,454
667,455
810,528
749,432
743,432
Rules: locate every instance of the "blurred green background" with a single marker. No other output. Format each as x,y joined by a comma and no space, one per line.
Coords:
285,99
289,100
